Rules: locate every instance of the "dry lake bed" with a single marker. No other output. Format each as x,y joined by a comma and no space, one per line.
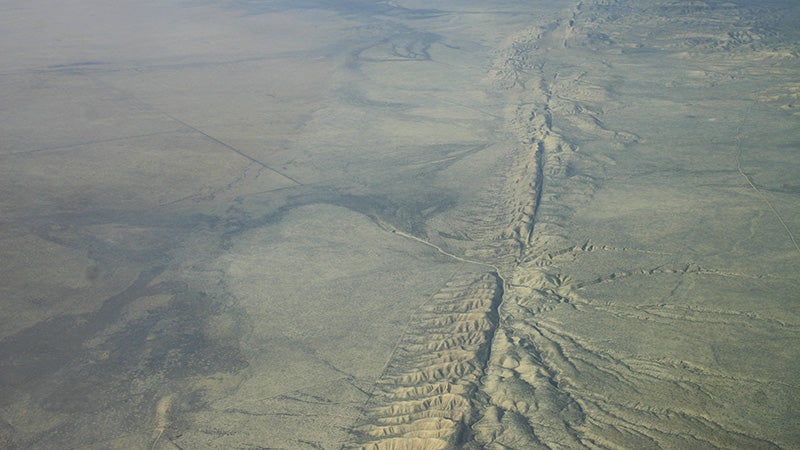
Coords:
399,224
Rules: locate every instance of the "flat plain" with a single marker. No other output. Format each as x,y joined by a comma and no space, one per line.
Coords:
399,225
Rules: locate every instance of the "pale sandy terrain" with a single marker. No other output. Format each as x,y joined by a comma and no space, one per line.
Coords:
399,225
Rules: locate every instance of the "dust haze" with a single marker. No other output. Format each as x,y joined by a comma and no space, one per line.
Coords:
399,224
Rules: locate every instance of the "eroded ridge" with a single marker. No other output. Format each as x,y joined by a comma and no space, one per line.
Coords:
426,397
543,168
593,344
499,223
553,380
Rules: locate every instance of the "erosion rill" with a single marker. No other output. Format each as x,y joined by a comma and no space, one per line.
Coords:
455,375
522,390
436,391
426,397
489,361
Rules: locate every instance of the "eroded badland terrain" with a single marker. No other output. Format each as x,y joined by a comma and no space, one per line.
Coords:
399,225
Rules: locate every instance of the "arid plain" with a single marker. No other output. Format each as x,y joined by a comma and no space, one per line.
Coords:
399,224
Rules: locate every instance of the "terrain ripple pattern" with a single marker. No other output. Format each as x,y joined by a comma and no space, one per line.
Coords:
426,397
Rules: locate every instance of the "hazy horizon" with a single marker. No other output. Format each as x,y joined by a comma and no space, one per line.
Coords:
399,224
